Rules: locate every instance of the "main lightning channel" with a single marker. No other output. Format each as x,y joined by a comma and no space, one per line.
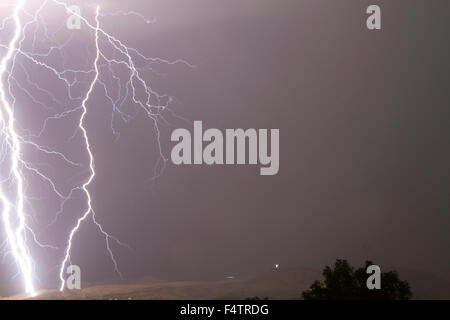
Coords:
15,235
91,156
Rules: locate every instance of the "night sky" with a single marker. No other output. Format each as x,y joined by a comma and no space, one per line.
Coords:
364,142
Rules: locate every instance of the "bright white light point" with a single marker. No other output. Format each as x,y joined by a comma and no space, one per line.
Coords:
276,266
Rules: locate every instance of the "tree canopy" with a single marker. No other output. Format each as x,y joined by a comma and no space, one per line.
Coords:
343,282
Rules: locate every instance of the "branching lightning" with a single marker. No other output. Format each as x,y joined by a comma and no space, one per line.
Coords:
116,72
15,235
91,157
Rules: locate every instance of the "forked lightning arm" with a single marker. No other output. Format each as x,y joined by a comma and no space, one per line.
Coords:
91,157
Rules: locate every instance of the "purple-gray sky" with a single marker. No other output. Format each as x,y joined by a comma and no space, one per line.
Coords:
363,118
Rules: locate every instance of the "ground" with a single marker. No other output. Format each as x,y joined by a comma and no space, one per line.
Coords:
276,284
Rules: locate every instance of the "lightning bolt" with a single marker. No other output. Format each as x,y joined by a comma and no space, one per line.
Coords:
15,235
91,156
132,89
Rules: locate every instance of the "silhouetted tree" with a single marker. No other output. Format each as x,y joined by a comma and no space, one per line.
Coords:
256,298
345,283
